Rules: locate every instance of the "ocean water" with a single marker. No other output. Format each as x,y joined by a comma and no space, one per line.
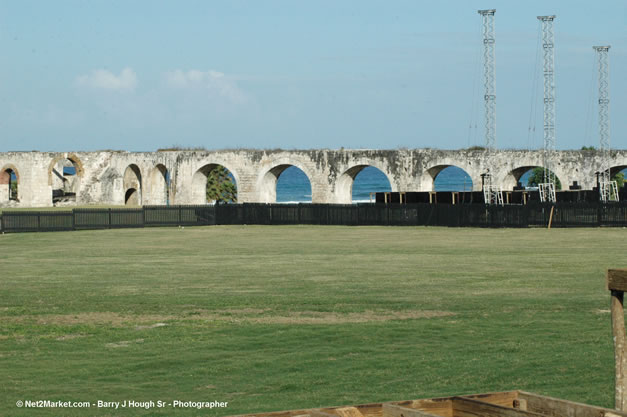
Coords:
293,185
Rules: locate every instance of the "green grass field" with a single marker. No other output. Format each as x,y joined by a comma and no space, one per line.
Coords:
272,318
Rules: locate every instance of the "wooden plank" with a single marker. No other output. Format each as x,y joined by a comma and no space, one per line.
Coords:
504,399
551,217
348,412
367,410
618,330
393,410
555,407
362,410
320,413
617,279
465,407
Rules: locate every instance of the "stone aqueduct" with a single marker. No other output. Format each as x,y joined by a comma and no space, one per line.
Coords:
116,178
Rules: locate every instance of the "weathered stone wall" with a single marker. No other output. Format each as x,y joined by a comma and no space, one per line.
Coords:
140,177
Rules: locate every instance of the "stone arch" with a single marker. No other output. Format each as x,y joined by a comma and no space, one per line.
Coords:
269,179
75,160
199,181
8,192
465,182
514,176
132,185
64,177
619,168
131,197
159,185
345,182
616,169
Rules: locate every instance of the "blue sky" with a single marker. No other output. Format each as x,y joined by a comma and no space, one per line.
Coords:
140,75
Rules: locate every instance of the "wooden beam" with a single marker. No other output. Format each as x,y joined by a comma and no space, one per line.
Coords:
553,407
617,279
618,330
348,412
505,399
465,407
393,410
320,413
551,217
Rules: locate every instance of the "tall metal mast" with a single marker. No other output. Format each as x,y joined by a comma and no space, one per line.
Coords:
607,189
490,192
547,189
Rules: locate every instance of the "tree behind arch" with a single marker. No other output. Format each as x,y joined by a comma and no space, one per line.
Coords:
220,186
537,177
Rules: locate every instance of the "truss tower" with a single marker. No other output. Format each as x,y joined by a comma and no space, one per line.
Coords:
547,188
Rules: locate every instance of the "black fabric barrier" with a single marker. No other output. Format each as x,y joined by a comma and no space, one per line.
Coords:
582,214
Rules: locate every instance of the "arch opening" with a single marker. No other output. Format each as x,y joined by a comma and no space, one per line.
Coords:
291,184
131,197
358,183
285,183
528,177
214,184
450,178
132,184
9,182
160,185
65,178
619,174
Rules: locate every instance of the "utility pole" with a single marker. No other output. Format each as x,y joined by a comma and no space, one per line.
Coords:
491,193
608,190
547,188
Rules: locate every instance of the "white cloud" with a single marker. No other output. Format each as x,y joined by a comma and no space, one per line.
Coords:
106,80
216,84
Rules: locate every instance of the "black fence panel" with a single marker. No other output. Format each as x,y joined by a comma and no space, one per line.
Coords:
36,221
342,215
162,216
85,219
123,218
197,215
257,214
475,215
205,215
581,214
575,215
612,214
229,214
314,214
21,221
372,214
285,214
55,221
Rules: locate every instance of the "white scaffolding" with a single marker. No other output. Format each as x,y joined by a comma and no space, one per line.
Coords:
547,188
608,190
492,194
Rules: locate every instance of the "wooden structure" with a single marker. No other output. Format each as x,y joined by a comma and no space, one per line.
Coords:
499,404
617,284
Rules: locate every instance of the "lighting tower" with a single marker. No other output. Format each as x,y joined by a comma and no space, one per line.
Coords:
491,193
547,188
608,191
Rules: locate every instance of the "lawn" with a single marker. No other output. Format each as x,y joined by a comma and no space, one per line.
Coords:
279,317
